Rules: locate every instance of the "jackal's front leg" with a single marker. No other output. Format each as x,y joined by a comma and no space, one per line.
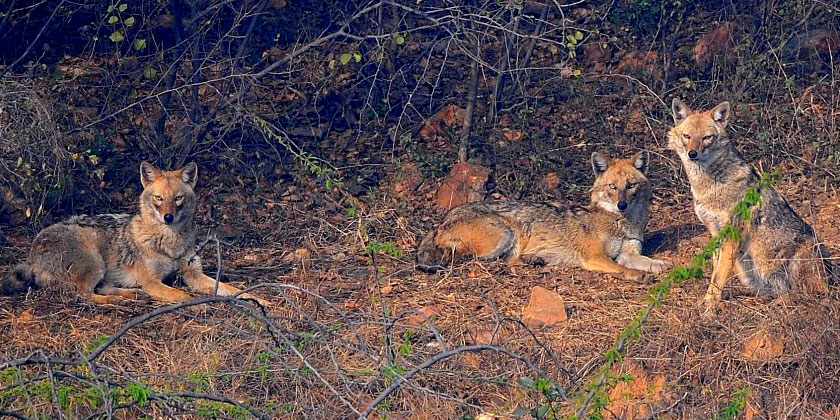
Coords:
631,257
152,284
721,273
604,264
195,279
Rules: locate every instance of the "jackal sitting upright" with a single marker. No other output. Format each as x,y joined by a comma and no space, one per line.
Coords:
606,236
108,256
778,252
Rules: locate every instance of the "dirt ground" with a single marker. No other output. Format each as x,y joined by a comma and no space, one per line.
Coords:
350,320
682,367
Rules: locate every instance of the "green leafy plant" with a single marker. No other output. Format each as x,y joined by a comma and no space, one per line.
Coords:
200,379
594,397
736,404
572,40
96,343
405,347
139,393
346,57
122,21
389,248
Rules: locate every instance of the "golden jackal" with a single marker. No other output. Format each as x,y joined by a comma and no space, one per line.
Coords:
107,257
779,252
606,236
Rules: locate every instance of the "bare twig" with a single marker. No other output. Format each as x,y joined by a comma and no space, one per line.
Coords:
34,40
437,358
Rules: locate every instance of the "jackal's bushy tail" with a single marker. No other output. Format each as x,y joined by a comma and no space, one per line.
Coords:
16,280
431,256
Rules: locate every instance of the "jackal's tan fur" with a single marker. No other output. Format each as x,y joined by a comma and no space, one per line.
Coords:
606,236
110,257
779,252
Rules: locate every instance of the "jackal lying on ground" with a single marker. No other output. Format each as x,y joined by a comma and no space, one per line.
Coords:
606,236
778,252
109,256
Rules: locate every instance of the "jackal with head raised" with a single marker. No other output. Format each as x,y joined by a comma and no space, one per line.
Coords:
111,257
605,236
779,252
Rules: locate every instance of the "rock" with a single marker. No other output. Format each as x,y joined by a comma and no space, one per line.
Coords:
482,336
544,308
353,304
407,180
431,312
298,254
639,62
449,116
594,53
463,184
551,180
721,40
763,346
25,316
637,399
513,135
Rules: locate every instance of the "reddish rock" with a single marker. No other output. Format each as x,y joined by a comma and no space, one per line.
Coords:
431,312
639,62
544,308
353,304
482,336
551,180
449,116
595,53
407,180
763,346
637,399
464,184
513,135
721,40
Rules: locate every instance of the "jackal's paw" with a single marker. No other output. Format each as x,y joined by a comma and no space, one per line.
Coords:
658,266
634,275
708,306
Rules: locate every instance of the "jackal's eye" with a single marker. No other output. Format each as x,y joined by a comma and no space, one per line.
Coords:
631,185
158,198
612,186
179,199
707,138
687,136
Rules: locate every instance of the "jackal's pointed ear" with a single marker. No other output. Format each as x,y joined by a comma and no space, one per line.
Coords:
640,161
680,110
721,113
148,173
599,163
189,174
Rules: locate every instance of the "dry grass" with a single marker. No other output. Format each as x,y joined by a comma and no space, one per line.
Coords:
339,330
343,327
